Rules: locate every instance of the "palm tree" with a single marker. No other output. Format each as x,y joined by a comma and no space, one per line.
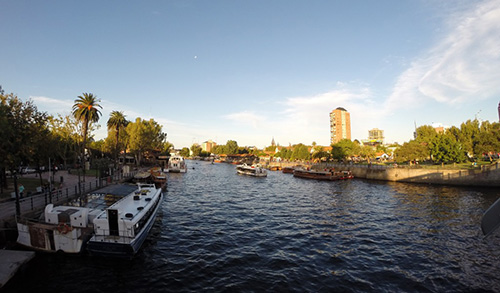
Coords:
117,121
86,111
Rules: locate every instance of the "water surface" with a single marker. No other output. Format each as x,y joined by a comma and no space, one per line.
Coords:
219,231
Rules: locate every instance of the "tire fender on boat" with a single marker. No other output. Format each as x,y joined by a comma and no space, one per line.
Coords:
63,228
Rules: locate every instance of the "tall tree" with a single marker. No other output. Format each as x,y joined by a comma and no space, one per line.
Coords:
146,136
86,110
117,121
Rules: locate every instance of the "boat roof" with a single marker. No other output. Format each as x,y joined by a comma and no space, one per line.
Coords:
104,197
138,202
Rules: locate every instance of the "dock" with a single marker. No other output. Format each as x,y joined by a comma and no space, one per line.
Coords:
12,261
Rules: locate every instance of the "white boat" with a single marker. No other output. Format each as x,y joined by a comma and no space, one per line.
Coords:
176,164
67,228
253,170
121,229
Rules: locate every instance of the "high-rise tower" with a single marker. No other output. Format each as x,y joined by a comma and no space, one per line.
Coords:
340,125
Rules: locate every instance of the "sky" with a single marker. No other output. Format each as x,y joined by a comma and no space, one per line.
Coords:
251,71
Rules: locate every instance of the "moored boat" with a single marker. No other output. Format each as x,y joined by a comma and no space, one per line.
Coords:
251,170
67,228
122,228
159,178
327,174
176,164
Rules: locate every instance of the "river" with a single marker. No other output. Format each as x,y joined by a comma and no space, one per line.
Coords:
219,231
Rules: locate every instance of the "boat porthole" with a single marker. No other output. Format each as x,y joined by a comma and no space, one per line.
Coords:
129,215
148,199
140,208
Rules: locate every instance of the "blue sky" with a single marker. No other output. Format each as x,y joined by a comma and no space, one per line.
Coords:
253,70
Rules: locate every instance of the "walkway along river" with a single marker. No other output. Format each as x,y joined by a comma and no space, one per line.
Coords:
219,231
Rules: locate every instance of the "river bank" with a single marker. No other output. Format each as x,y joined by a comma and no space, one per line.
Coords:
486,176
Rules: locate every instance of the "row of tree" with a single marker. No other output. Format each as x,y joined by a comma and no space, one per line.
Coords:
30,137
472,141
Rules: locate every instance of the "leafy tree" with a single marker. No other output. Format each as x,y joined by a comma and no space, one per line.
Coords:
368,152
446,149
86,110
412,151
145,136
488,140
300,152
231,147
167,148
196,150
117,122
469,131
65,131
218,149
184,152
426,133
23,131
344,149
284,153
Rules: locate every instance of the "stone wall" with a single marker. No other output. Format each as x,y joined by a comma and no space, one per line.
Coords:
487,175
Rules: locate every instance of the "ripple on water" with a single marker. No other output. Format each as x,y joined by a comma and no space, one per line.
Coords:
222,232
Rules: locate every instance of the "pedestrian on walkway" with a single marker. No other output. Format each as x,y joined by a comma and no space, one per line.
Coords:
21,191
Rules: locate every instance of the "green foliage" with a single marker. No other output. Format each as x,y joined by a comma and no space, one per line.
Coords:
167,148
231,147
117,121
300,152
196,150
24,132
412,151
145,136
445,149
184,152
344,149
284,153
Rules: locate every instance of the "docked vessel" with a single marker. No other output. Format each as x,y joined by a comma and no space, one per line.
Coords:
322,174
67,228
159,178
176,164
121,229
251,170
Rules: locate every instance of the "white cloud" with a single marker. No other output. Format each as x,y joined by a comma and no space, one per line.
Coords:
247,118
464,65
52,106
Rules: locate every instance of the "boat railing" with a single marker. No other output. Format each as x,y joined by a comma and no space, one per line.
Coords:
107,237
37,202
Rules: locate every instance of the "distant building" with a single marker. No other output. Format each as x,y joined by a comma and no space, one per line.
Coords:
340,125
439,128
376,134
208,145
375,137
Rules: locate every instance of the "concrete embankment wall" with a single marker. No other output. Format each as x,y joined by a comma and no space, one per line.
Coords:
484,176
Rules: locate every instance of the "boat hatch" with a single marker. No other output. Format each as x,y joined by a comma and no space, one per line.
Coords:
113,222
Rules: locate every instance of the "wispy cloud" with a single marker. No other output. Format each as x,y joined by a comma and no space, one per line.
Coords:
247,118
52,105
463,65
